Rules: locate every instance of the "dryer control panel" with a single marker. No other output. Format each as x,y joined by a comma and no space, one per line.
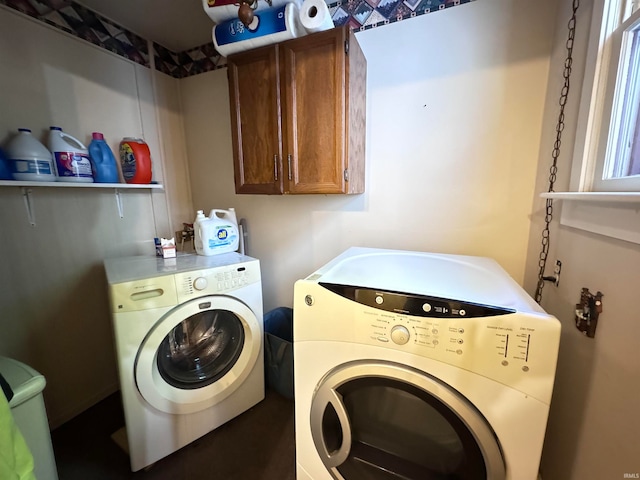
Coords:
415,305
511,347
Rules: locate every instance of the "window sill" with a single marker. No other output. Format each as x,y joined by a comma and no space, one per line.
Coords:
615,214
604,197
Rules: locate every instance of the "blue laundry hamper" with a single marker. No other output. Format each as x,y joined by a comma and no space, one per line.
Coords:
278,350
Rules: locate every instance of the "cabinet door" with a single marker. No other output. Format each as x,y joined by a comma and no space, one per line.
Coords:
254,91
314,123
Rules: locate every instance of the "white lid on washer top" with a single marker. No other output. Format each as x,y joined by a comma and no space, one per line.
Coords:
464,278
127,269
25,382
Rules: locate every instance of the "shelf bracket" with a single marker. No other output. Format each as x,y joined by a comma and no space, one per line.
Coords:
119,203
26,195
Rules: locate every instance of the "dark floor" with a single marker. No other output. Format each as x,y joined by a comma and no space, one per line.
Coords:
257,445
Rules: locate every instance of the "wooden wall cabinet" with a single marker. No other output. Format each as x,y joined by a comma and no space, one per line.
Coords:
298,115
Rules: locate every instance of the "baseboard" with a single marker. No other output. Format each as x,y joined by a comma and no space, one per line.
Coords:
80,407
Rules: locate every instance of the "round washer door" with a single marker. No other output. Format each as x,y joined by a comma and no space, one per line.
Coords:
379,420
198,354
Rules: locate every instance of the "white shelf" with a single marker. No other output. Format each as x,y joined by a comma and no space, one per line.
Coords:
117,188
123,186
613,197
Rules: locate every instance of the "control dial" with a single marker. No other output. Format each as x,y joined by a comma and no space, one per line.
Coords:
200,283
400,335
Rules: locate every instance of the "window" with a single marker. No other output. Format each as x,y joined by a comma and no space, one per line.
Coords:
608,144
604,192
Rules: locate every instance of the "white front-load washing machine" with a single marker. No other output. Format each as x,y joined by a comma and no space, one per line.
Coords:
418,366
189,344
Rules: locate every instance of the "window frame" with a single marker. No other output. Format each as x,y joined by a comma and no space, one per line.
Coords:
613,214
597,100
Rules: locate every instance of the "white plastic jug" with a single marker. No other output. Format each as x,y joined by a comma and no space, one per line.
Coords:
71,157
217,233
29,160
197,231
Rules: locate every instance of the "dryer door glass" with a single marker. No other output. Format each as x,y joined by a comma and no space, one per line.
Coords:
378,427
201,349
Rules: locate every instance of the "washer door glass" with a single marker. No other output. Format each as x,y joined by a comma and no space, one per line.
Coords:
198,354
381,421
201,349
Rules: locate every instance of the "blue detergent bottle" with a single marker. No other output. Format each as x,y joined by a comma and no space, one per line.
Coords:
103,162
5,172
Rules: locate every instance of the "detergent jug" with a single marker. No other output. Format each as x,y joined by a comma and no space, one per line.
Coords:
135,159
103,162
71,157
29,160
5,171
217,233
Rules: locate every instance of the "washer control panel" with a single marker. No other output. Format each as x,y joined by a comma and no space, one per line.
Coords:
216,280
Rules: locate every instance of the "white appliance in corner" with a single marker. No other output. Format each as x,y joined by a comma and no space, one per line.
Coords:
415,365
189,341
30,415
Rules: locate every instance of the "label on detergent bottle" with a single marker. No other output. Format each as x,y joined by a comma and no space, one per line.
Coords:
73,164
268,21
35,167
128,161
135,160
224,235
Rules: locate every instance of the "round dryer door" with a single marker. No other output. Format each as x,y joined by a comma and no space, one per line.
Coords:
198,354
379,420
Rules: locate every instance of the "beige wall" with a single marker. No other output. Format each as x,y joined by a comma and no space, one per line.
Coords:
459,130
594,421
54,312
455,104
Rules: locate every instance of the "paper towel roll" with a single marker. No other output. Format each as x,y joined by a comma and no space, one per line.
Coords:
270,26
315,16
222,10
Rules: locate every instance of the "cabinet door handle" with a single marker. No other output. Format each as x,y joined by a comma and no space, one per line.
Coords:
275,167
289,165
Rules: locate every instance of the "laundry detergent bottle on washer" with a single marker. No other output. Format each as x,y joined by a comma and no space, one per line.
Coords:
197,231
217,233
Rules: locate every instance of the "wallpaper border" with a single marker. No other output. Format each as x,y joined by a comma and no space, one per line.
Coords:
78,20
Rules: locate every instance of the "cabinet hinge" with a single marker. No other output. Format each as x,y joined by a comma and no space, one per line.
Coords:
346,175
346,47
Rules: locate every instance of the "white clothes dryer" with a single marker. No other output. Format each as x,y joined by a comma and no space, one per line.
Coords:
416,366
189,343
